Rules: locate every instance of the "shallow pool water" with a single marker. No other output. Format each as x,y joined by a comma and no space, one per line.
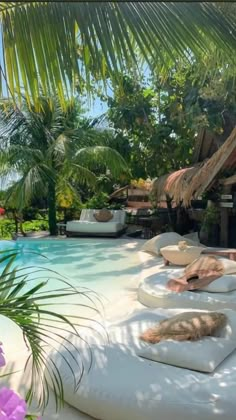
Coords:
102,264
105,266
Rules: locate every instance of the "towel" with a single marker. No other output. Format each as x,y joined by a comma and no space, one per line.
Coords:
201,272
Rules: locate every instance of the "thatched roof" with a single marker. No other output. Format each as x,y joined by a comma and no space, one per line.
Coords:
130,190
189,183
133,189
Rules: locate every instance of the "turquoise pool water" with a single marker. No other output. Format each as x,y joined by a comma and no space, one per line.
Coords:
105,266
101,264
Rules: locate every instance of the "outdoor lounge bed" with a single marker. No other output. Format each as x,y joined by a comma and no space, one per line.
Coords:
152,292
87,225
123,386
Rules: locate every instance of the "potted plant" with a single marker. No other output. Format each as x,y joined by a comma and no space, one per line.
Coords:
209,233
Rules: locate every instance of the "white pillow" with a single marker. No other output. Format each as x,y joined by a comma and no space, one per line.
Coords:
164,239
178,256
193,236
229,265
229,331
223,284
202,355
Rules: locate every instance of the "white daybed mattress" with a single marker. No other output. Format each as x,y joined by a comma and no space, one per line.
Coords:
122,386
152,292
85,226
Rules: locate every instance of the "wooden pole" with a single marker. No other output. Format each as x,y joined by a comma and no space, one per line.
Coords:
224,221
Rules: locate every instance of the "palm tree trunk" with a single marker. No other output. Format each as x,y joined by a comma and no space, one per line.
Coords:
52,219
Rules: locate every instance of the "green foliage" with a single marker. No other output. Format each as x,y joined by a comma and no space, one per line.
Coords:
8,227
53,155
142,119
30,213
113,37
35,225
98,201
211,217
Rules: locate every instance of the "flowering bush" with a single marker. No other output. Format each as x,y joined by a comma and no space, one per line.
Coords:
12,407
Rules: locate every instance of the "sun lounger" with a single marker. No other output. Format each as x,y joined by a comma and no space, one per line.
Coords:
152,292
123,386
87,225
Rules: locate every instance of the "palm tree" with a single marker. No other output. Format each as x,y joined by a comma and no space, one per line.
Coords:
59,45
50,153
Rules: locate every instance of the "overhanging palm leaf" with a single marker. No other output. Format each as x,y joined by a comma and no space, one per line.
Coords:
40,39
24,300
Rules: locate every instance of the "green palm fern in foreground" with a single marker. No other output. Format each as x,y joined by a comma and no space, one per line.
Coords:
61,45
26,301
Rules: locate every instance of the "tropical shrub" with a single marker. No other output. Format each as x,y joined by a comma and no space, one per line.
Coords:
98,201
8,227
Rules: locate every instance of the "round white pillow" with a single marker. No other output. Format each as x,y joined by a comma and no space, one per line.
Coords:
178,256
229,265
155,244
223,284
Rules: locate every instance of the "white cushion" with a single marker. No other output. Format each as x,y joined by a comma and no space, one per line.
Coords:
122,386
202,355
229,331
178,256
193,236
229,265
93,227
87,215
223,284
164,239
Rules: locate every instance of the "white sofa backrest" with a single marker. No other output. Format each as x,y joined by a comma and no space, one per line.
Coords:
87,215
118,216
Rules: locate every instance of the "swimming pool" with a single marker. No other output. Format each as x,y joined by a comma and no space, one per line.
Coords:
105,266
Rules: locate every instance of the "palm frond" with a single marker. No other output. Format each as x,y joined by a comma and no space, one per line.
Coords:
82,175
103,155
40,39
33,182
30,307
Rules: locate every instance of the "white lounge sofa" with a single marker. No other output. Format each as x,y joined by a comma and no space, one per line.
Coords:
87,225
152,292
122,386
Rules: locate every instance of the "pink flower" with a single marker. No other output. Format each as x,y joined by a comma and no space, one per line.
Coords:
2,358
12,407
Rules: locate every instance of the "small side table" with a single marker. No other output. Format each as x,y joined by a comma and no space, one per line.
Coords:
222,252
146,223
61,228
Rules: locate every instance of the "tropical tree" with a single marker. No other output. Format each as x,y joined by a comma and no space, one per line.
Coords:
58,46
50,153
